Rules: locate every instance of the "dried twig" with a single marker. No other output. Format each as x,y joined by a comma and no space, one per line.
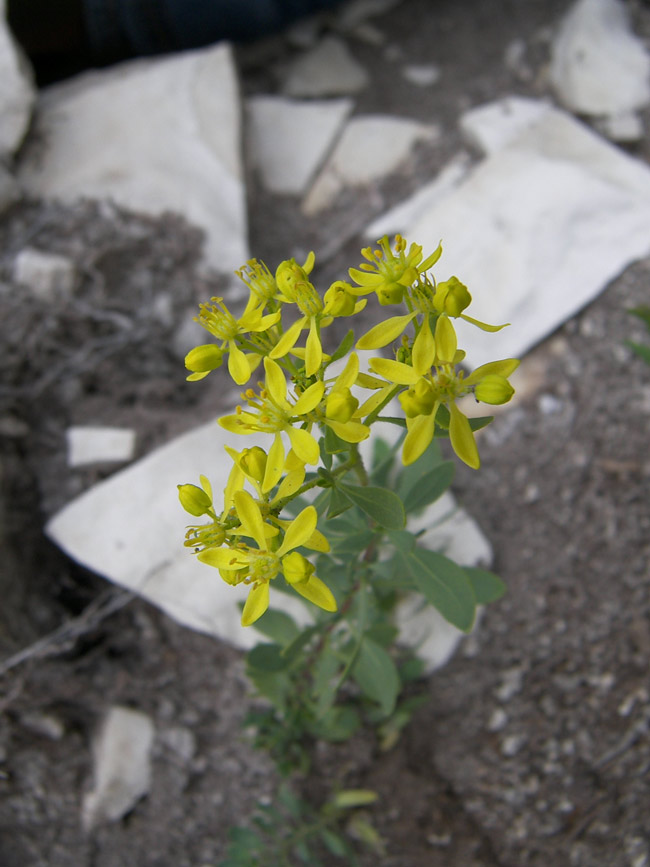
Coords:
60,639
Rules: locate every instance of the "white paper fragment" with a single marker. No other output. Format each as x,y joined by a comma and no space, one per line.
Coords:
328,69
49,276
539,227
493,126
17,90
122,766
403,215
369,148
153,136
289,140
598,66
93,445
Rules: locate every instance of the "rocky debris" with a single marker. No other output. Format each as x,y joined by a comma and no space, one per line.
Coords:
600,68
288,140
47,275
17,92
109,135
421,75
122,766
328,69
92,445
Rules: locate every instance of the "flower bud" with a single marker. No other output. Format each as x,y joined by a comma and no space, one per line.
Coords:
194,500
253,463
494,389
203,359
296,568
391,293
418,400
452,297
338,300
341,405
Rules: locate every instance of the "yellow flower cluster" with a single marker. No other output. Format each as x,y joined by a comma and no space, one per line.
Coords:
298,400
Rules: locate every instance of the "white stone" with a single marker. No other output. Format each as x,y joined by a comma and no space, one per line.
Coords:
152,135
598,66
289,140
94,444
370,147
16,90
130,528
328,69
538,228
122,766
48,275
421,75
626,127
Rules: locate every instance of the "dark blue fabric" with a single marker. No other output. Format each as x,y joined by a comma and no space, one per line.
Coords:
128,28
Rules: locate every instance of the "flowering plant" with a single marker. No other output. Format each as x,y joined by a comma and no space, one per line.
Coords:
306,516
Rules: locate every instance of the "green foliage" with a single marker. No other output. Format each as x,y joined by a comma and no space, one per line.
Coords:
641,349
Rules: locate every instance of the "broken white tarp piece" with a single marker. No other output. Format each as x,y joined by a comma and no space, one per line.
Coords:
92,444
370,148
598,66
130,529
122,766
153,136
288,140
538,228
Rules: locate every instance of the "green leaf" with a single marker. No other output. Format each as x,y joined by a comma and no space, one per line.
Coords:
641,350
380,504
333,443
344,347
487,586
376,675
266,657
642,312
349,799
353,543
278,626
334,843
338,503
445,585
431,486
325,456
475,424
338,724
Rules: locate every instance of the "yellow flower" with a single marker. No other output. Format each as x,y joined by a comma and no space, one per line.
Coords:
198,501
257,566
260,282
219,321
341,410
271,412
388,274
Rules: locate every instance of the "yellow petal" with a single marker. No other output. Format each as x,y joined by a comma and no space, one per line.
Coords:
483,325
275,382
238,366
313,350
224,558
350,431
385,332
288,340
462,437
502,368
300,529
424,349
274,465
290,484
250,516
420,434
256,604
348,376
309,399
446,340
304,445
395,371
318,592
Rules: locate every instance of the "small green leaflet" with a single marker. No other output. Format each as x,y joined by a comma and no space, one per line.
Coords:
430,487
380,504
487,586
445,585
376,675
